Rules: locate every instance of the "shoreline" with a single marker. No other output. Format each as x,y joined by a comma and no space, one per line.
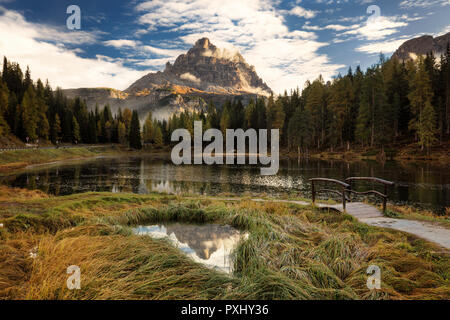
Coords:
406,154
410,153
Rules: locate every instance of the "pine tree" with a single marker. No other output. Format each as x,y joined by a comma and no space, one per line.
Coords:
81,113
135,132
93,131
108,131
371,123
13,78
29,115
5,69
4,128
67,127
315,97
75,130
148,129
4,100
158,137
237,115
341,97
251,115
43,129
396,95
225,119
420,96
427,127
299,130
122,133
27,82
212,116
275,114
261,112
127,115
56,129
445,78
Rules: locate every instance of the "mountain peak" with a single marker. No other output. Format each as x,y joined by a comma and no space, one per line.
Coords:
207,68
421,46
203,43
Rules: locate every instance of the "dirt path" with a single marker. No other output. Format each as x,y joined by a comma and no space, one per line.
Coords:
372,216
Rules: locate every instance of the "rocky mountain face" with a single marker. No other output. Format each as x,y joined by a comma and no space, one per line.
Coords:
207,68
205,73
421,46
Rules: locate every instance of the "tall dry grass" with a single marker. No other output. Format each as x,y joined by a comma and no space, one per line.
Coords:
292,252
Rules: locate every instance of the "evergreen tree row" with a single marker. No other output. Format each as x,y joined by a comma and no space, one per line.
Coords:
32,111
392,103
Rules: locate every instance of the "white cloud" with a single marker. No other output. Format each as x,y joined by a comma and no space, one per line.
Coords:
136,48
443,31
378,28
302,12
334,27
337,27
154,64
38,31
162,52
408,4
283,58
120,43
33,45
190,77
388,46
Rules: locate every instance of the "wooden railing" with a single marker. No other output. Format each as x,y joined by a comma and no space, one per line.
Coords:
341,184
346,188
385,183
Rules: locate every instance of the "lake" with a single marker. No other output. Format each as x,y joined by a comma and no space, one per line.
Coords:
419,184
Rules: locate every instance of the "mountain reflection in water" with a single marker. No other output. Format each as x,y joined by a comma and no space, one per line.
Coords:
210,244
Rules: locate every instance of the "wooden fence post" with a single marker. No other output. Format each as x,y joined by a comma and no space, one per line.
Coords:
343,197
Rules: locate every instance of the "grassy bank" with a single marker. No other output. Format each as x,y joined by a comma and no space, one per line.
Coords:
292,252
18,159
439,154
414,213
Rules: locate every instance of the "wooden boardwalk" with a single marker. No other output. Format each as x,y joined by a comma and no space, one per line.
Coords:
358,210
372,216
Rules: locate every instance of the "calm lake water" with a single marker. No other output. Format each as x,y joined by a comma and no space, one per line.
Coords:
209,244
419,184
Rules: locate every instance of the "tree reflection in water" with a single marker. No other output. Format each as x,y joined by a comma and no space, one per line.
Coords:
419,184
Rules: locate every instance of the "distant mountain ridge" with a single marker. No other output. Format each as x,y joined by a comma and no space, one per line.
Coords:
421,46
205,73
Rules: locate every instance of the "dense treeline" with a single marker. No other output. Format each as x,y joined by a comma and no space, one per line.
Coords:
392,103
34,112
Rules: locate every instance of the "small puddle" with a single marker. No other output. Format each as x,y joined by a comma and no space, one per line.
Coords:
210,244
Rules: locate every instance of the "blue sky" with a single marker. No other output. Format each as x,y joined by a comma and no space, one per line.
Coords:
288,42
